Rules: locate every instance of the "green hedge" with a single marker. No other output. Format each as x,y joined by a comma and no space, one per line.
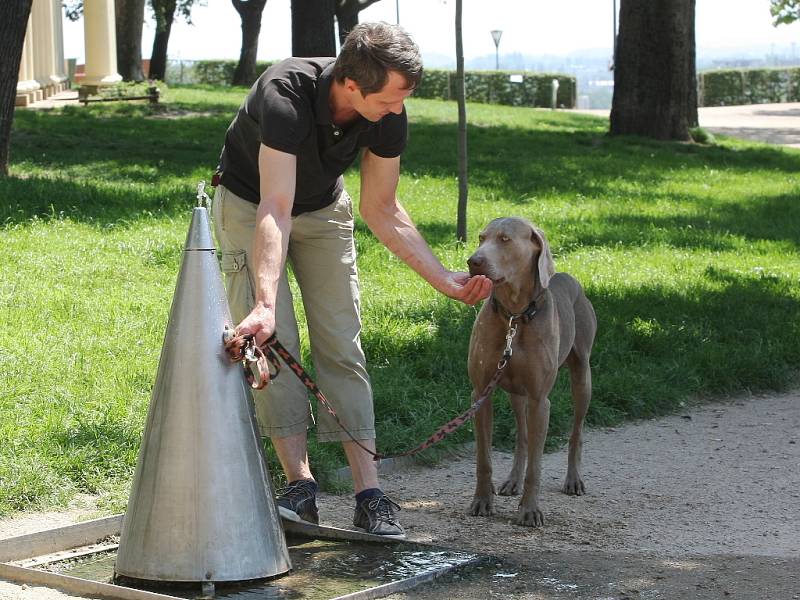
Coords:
496,87
726,87
220,72
489,87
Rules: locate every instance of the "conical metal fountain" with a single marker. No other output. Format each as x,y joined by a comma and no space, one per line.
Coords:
201,508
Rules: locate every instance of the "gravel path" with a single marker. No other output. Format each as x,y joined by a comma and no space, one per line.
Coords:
705,504
768,123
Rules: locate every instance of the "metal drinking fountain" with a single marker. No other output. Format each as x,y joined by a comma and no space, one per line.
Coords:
201,507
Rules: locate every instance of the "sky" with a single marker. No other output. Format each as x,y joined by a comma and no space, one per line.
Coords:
534,27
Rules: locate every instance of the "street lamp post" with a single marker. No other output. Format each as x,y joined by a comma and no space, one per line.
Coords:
614,31
496,34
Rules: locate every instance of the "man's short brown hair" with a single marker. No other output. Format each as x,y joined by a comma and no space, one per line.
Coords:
371,50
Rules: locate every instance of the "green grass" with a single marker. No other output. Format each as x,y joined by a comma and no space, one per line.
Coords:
689,254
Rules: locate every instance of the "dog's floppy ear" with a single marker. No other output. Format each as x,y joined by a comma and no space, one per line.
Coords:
546,266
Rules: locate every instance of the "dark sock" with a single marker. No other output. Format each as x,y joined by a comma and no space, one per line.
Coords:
368,493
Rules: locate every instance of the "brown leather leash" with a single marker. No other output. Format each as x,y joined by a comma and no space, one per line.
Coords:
256,361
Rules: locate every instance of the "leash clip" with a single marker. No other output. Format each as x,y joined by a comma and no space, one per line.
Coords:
260,365
512,331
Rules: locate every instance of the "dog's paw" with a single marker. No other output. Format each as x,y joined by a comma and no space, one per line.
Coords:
481,507
573,486
529,517
511,487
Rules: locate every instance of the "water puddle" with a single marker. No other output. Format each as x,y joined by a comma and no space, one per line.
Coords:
322,569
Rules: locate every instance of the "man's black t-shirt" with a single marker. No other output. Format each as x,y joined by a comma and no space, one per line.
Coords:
288,109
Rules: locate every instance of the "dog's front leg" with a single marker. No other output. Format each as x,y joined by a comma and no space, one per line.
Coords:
483,502
513,485
529,513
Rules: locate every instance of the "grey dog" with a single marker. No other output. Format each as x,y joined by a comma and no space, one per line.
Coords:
555,326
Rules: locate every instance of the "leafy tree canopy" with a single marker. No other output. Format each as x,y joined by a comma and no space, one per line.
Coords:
73,9
784,11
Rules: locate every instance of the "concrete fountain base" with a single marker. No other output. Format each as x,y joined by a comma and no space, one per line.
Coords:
329,563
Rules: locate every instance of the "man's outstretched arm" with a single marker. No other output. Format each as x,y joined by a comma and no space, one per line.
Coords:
390,223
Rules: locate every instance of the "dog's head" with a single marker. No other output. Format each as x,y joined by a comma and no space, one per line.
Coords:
512,248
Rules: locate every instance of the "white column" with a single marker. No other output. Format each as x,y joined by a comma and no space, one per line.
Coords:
27,86
41,45
59,72
100,40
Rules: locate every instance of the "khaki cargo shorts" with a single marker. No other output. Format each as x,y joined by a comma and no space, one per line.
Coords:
322,257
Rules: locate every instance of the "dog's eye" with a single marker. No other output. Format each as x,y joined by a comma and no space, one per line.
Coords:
505,238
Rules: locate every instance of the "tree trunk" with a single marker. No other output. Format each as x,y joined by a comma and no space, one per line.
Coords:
655,83
461,226
347,15
13,24
165,14
129,23
250,13
346,22
312,28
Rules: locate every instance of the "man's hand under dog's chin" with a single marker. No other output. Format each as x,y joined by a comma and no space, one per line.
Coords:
465,288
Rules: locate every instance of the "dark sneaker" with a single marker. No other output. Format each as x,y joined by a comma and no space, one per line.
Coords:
297,501
376,515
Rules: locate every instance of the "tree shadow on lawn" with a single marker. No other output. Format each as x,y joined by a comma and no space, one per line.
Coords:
518,164
91,449
774,218
655,348
90,202
102,163
123,147
714,227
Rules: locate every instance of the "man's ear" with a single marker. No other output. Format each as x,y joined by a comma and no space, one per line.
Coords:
351,86
545,266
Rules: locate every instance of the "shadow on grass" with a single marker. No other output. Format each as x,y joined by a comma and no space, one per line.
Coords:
519,163
655,347
51,198
90,450
774,218
117,153
135,147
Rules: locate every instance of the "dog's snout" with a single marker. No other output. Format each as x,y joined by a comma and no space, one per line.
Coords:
475,261
476,264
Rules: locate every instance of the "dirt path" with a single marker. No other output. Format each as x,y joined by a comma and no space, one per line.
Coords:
705,504
768,123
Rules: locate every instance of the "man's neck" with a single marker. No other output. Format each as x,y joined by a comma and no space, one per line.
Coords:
342,112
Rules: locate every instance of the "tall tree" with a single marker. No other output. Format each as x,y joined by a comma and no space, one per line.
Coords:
347,15
784,11
13,24
164,15
461,225
250,14
129,17
312,28
655,80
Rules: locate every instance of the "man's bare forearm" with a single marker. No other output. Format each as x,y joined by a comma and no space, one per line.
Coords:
393,227
270,245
